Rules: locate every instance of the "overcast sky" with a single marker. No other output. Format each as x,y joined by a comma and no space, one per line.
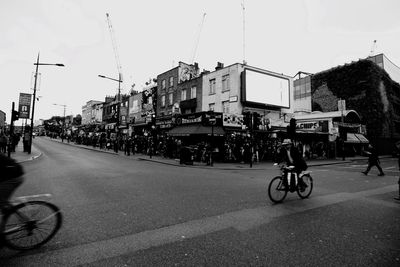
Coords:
154,35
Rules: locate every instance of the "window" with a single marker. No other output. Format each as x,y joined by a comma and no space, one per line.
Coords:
163,100
212,86
170,99
135,106
225,82
193,92
302,88
225,106
211,106
171,81
163,84
183,94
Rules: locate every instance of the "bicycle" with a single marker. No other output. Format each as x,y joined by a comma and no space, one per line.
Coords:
289,182
28,223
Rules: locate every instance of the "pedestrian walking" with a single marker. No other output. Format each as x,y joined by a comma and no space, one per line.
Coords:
373,160
127,145
3,143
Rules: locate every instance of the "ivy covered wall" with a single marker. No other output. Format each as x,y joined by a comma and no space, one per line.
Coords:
367,89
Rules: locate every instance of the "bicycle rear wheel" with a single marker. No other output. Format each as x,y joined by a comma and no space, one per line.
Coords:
277,190
31,224
308,181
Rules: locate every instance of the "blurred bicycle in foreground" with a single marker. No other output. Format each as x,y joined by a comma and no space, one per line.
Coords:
29,222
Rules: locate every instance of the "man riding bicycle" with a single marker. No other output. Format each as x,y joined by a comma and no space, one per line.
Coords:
292,157
11,177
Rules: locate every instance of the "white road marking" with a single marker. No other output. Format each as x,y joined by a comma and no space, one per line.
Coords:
241,220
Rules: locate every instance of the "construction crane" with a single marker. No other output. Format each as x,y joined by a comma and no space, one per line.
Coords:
115,48
373,49
244,32
197,40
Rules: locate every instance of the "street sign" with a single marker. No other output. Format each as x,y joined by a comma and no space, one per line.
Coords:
24,106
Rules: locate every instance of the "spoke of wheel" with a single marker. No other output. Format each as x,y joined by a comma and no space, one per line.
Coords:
48,217
13,229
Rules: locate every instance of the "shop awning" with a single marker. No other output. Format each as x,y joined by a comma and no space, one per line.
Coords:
362,138
191,129
354,138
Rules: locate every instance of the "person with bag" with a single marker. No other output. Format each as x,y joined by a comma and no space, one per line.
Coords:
11,177
292,157
373,160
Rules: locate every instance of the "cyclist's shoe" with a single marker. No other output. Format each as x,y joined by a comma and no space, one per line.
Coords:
381,174
365,173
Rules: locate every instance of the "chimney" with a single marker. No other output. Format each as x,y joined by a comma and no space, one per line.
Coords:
219,66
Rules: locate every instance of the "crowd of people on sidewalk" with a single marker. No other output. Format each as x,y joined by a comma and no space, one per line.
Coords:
9,143
235,148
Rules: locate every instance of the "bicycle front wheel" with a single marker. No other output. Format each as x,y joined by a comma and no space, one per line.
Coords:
31,224
277,190
308,182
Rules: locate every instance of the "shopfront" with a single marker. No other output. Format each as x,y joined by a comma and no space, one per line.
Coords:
318,134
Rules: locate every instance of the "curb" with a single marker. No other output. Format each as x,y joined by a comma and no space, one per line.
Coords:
84,147
230,168
30,159
198,166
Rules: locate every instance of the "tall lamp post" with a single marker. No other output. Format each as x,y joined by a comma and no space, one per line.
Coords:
119,98
65,106
34,96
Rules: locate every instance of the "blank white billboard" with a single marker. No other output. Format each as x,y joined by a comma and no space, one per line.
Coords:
266,89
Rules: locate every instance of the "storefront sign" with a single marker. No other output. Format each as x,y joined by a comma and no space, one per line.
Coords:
314,126
189,119
232,120
164,124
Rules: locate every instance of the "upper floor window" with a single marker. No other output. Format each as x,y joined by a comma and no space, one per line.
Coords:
193,92
170,99
225,82
212,86
225,106
171,81
163,84
211,106
302,88
183,94
163,100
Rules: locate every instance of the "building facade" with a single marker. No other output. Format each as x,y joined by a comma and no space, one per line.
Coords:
89,111
225,90
2,121
368,86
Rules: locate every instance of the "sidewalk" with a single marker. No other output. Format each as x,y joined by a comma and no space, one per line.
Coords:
218,165
20,156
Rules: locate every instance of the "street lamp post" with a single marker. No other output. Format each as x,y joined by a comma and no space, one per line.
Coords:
34,96
118,101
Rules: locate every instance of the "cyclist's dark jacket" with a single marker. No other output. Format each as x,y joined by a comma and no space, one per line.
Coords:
298,161
9,168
